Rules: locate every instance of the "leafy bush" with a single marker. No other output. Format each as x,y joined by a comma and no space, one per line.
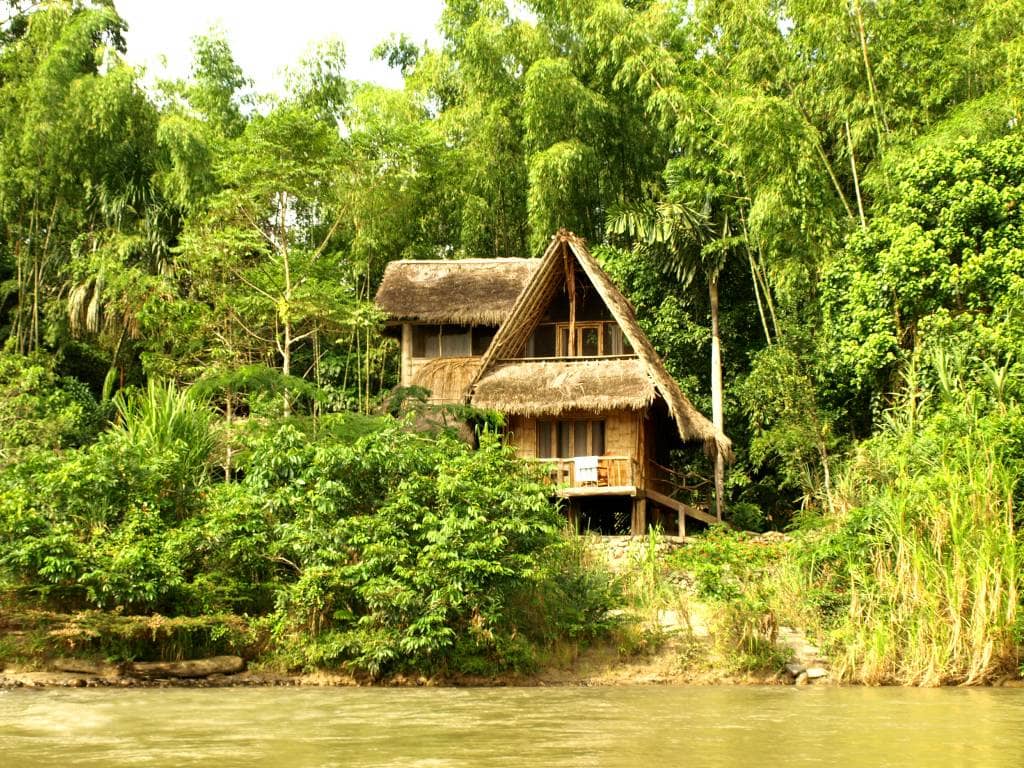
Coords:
162,419
43,410
394,551
724,562
403,544
740,576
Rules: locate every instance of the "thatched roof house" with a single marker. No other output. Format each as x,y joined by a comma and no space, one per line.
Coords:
554,345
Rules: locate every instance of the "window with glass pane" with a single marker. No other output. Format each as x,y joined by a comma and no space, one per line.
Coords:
563,342
565,440
597,438
589,345
544,439
581,446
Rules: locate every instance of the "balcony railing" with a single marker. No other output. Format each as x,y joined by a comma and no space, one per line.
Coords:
612,471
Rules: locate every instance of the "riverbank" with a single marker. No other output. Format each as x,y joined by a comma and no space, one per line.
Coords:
663,633
706,612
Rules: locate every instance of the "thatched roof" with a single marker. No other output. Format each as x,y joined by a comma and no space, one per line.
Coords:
462,291
447,378
496,378
553,387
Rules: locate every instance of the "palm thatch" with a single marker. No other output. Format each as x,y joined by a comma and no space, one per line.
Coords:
555,387
463,291
547,278
447,378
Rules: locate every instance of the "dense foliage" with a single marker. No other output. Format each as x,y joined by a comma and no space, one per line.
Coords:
822,200
396,551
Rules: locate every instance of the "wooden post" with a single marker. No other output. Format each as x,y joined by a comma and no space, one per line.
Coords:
639,526
406,376
682,523
570,287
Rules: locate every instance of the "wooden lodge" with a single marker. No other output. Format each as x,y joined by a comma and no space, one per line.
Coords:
555,346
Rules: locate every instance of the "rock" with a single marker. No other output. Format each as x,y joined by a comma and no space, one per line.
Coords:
224,665
652,679
815,673
802,679
1013,684
795,669
671,621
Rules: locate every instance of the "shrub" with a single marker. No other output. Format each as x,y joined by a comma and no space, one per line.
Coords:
43,410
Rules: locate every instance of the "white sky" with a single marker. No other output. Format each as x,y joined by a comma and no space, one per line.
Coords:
267,36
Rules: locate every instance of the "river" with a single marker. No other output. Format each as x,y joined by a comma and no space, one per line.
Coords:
641,727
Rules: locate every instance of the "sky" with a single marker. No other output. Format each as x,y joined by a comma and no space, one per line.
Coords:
267,36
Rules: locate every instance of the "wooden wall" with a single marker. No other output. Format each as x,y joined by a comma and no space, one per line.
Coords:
623,433
405,379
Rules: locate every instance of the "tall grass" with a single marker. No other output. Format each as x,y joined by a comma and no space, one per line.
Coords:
931,554
161,419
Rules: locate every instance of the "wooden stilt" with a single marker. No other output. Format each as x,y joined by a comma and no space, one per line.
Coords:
639,526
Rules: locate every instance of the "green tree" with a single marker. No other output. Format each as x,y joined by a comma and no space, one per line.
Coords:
940,268
77,136
680,236
264,249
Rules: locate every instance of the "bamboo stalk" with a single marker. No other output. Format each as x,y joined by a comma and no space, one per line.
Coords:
856,181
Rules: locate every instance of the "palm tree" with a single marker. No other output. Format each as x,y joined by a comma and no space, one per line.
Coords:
683,239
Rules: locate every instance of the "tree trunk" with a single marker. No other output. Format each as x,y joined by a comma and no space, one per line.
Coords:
286,351
217,665
286,365
229,412
716,394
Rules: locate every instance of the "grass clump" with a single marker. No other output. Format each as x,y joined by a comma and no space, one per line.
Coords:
922,557
738,577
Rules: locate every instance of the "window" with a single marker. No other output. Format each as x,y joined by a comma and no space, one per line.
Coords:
482,338
569,438
542,342
592,339
429,341
426,340
589,341
615,341
544,439
455,341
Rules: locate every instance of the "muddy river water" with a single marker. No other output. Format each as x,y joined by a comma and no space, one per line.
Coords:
646,727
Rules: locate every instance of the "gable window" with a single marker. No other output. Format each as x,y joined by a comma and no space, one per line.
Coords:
565,439
592,339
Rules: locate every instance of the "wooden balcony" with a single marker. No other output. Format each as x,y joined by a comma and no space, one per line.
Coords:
616,476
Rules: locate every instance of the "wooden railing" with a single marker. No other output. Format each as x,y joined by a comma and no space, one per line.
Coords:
675,484
611,471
